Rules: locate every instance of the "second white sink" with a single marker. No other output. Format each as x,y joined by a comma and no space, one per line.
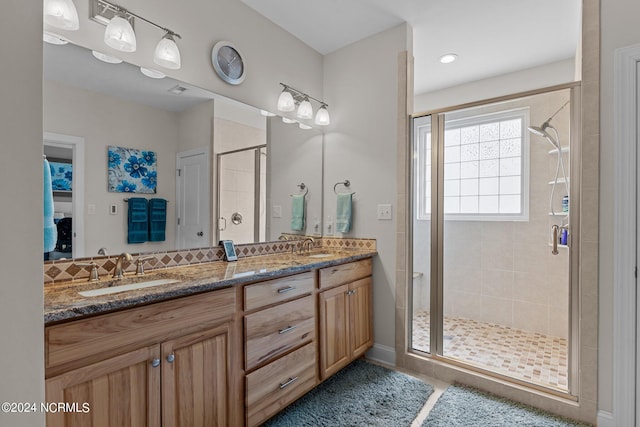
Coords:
123,288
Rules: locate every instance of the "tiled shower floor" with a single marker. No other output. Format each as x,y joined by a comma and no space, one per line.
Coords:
523,355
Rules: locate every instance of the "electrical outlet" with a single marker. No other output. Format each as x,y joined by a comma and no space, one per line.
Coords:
276,211
384,212
329,226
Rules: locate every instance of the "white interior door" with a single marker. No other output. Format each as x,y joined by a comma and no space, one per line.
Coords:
193,199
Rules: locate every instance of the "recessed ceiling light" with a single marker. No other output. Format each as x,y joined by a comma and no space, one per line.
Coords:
106,58
448,58
154,74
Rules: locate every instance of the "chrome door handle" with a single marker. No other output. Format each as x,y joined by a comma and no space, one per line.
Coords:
288,382
200,233
555,228
287,329
155,363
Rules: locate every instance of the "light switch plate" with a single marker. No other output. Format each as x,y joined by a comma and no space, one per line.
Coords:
113,209
384,212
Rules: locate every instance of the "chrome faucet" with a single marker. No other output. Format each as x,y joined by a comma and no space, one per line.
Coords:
308,243
117,270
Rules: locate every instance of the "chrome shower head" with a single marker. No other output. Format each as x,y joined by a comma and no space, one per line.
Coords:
542,131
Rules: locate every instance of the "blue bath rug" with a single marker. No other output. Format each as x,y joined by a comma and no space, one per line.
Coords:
467,407
362,394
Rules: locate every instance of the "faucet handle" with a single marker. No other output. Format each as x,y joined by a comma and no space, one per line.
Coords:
140,264
93,275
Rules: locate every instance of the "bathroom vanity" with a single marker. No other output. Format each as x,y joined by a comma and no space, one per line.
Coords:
212,348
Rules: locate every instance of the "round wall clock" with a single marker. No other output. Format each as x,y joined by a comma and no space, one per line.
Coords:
228,62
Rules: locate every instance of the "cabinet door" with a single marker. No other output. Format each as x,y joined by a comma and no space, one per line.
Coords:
334,330
360,316
195,379
121,391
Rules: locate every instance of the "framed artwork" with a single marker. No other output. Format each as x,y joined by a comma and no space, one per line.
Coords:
61,176
132,171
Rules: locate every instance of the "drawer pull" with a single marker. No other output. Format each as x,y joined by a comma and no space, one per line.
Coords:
155,363
288,382
286,289
287,329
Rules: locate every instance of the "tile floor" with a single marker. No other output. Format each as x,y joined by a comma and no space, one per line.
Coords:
523,355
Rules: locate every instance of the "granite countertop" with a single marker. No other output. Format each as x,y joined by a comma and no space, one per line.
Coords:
62,301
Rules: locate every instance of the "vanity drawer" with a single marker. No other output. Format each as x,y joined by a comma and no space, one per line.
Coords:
344,273
275,330
96,338
278,290
276,385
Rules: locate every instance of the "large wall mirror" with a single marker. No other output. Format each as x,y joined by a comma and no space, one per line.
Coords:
226,170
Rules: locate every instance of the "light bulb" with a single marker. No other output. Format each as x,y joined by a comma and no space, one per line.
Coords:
305,110
322,116
120,35
61,14
285,101
167,53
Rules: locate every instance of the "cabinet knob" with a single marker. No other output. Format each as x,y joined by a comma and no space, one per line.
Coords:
171,358
155,363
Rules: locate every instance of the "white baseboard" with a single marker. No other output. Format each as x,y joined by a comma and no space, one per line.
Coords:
605,419
382,353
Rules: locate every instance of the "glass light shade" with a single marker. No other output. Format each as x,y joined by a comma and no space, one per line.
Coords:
154,74
305,110
303,126
119,35
285,101
53,38
61,14
106,58
167,53
322,116
288,120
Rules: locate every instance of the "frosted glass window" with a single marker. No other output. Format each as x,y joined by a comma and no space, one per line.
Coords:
484,166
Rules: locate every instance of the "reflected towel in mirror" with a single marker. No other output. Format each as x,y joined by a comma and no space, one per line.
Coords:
297,212
50,230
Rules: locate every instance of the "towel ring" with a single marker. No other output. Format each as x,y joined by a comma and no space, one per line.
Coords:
346,183
302,186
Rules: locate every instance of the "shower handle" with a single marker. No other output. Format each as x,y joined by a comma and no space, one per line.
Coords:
555,228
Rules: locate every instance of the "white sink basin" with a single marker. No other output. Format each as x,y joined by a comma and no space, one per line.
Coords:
323,255
123,288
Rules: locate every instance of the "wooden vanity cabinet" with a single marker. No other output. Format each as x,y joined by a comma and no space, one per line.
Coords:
280,344
345,307
166,364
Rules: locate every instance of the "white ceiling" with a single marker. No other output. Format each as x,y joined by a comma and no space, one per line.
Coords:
490,37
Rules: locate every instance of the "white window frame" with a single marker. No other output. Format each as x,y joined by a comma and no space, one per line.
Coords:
421,151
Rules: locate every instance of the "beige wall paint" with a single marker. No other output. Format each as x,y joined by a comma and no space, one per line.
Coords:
102,121
361,88
195,127
272,55
619,23
22,355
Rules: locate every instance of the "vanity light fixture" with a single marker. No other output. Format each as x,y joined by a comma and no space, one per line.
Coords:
121,36
61,14
154,74
290,97
106,58
448,58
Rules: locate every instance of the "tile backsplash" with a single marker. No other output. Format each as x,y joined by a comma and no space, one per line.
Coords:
65,270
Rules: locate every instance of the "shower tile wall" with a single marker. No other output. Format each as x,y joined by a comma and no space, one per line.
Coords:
504,272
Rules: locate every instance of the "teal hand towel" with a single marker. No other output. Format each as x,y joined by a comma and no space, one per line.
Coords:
297,212
157,219
50,229
343,213
137,220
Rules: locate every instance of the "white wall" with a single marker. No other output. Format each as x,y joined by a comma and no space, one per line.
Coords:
272,55
506,84
195,127
619,28
22,355
361,88
102,121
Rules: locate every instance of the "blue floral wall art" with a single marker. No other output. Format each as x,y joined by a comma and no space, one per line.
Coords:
61,176
132,170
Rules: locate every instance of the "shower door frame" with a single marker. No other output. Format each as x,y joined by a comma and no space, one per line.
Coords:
437,244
